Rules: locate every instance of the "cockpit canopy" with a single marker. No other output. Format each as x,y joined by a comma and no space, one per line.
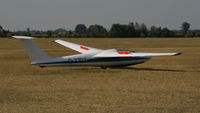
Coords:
122,51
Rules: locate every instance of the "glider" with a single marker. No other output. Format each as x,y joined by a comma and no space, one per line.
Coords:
88,56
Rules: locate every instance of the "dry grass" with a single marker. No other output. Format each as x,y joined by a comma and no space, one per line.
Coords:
162,85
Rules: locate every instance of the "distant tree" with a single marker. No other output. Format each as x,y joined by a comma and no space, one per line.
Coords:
185,27
137,26
1,28
116,31
143,30
3,33
70,34
81,29
137,29
155,31
159,31
122,31
96,31
28,31
197,33
152,32
49,34
131,32
61,30
165,32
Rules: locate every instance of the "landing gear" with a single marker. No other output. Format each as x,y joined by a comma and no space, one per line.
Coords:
42,66
104,67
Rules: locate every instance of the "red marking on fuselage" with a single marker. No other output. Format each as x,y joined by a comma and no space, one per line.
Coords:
124,52
85,48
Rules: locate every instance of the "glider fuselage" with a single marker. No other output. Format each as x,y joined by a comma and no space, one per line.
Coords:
88,60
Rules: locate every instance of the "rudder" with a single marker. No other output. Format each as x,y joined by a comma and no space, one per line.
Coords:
34,52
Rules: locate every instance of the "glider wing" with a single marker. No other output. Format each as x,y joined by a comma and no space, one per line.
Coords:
77,47
115,53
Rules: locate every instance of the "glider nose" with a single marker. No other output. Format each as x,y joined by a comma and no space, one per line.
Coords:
145,59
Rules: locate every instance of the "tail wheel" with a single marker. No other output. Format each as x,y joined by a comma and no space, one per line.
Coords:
104,67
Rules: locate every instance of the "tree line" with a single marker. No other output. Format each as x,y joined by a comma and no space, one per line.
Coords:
131,30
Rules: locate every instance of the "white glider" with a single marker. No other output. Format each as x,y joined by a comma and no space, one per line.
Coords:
89,56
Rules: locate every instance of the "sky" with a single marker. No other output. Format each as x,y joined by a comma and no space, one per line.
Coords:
53,14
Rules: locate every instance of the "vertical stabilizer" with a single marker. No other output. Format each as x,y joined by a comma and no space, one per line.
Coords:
35,53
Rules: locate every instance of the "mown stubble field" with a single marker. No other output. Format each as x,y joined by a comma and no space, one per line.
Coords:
168,84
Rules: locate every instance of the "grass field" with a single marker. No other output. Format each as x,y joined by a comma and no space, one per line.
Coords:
162,85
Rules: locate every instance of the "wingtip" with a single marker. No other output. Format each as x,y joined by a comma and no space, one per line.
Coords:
178,54
57,40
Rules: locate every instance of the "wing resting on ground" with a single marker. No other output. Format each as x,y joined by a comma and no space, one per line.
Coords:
115,53
77,47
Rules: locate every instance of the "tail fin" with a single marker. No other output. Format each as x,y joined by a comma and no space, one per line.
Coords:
35,54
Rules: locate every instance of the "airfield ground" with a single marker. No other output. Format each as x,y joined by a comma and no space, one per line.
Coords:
162,85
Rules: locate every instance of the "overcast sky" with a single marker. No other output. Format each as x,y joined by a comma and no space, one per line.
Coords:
52,14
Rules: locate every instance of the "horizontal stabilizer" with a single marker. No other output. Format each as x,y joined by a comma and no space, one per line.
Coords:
22,37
